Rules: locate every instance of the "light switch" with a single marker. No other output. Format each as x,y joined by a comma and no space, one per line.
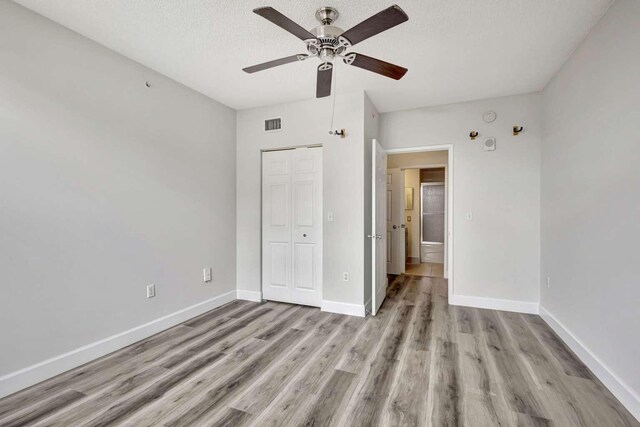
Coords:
206,273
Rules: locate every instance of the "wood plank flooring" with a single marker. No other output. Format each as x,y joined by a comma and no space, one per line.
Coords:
427,269
418,362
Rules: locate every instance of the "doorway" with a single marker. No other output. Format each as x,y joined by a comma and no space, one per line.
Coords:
292,225
426,219
420,239
417,213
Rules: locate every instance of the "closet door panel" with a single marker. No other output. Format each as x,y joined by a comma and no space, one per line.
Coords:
307,226
276,225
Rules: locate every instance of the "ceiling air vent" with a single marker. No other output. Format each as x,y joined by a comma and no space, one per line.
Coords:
272,125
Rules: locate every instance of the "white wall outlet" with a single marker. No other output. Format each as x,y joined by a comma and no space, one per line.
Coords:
330,216
345,276
548,282
469,216
151,291
206,274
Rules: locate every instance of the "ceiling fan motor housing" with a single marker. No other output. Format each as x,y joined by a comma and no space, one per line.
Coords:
326,44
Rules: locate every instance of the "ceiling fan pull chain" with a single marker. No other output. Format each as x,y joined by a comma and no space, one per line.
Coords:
335,90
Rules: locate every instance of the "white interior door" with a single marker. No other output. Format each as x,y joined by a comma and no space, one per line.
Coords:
276,225
395,222
379,226
307,226
292,226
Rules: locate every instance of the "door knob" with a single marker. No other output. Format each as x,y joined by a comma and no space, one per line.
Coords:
395,226
304,235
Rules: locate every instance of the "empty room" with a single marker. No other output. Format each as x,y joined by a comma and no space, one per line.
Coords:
305,213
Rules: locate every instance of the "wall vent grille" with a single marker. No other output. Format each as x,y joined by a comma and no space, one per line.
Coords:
272,125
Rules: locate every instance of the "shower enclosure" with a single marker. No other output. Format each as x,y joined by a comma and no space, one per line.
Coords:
432,222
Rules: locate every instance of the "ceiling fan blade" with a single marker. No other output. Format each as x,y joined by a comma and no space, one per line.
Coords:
275,63
378,23
283,22
323,86
377,66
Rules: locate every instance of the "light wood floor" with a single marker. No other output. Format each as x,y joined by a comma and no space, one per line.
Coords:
419,362
426,269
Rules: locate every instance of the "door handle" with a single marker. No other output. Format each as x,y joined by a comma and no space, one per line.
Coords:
374,236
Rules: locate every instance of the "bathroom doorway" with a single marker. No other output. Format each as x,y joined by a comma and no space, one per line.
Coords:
423,228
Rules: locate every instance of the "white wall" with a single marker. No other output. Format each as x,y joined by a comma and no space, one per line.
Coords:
591,197
423,158
497,254
106,186
305,123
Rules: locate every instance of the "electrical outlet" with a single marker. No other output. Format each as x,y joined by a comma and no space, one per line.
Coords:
151,291
548,282
345,276
206,274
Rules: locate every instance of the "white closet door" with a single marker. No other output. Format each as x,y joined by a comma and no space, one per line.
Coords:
307,226
276,225
292,226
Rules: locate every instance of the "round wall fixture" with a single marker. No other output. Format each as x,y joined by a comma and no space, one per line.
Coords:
489,144
489,116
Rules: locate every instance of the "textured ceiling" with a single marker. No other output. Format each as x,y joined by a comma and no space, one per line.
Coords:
455,50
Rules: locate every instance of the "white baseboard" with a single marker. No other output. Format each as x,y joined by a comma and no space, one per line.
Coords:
250,295
343,308
34,374
625,394
495,304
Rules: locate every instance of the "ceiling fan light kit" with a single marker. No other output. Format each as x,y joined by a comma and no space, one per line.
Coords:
328,42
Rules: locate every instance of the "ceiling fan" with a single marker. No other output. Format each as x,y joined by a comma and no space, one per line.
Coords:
326,42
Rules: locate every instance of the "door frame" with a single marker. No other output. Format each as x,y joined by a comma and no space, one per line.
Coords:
449,183
286,148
